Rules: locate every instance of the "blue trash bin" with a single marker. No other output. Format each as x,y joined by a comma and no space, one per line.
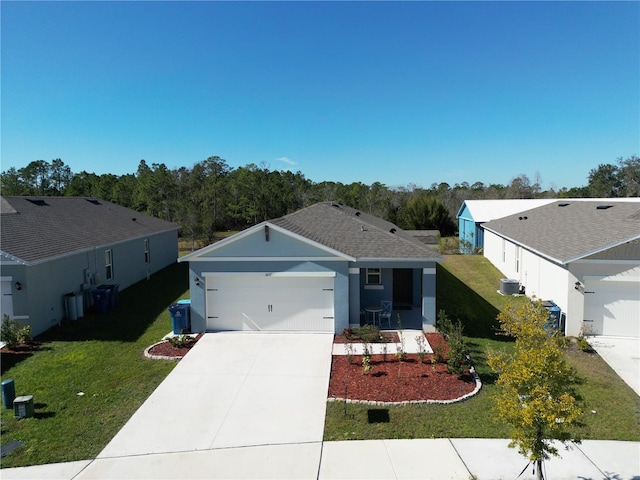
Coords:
8,393
112,292
553,322
100,300
181,317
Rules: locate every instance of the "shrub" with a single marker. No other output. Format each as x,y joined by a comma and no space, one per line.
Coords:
179,341
13,334
439,355
452,332
366,333
583,344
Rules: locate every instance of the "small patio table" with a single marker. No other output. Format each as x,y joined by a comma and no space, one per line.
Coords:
374,311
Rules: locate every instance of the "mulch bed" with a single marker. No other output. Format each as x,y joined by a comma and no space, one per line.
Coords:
165,349
391,380
389,337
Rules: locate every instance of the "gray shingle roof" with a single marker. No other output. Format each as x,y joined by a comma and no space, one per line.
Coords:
354,233
33,233
573,231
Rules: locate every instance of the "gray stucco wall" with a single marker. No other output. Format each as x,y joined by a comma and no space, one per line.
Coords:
197,269
40,302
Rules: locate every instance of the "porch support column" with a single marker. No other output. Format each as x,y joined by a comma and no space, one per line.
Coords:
354,296
429,299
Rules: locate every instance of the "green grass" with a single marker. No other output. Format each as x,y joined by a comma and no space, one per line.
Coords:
467,290
101,356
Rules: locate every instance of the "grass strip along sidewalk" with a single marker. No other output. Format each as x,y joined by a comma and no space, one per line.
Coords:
467,290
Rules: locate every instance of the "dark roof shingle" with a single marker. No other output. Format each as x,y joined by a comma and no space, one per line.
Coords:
565,231
354,233
36,231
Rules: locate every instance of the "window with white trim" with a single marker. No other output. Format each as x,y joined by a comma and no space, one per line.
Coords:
374,276
147,253
108,264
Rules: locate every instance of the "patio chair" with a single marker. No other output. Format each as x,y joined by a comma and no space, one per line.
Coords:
385,313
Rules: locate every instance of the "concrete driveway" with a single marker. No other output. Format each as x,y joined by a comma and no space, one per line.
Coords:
243,405
234,390
622,355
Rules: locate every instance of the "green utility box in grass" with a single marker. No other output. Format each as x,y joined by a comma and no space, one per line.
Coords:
23,406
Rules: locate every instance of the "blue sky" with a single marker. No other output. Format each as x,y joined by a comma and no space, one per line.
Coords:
395,92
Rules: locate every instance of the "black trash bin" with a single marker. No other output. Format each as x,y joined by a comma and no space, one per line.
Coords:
101,300
181,317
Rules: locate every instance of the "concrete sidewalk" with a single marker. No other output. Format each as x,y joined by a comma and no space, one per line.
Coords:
247,412
428,459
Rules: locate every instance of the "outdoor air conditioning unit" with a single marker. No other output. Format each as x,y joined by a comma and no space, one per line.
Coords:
509,286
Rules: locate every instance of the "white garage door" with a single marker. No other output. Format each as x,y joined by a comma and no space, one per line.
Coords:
276,302
612,307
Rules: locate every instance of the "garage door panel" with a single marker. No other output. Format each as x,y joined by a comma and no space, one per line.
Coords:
270,303
613,308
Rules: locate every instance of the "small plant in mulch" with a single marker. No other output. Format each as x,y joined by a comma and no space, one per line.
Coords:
349,351
179,341
366,359
365,334
173,347
422,347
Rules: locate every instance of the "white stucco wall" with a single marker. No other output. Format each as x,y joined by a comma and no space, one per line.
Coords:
546,280
542,279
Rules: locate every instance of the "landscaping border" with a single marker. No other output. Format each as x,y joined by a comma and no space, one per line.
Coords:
467,396
160,357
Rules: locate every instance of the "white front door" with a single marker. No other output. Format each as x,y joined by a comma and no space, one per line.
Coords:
270,303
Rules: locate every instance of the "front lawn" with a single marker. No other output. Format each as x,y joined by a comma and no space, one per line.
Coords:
467,289
90,376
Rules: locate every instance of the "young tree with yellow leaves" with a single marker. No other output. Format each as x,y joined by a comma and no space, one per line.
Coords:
535,384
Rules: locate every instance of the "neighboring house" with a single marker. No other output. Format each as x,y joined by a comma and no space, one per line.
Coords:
473,213
53,246
428,237
582,255
315,270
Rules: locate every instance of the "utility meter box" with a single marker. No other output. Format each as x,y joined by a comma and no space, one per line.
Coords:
23,406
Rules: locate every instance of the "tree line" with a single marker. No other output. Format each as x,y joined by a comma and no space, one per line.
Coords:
211,196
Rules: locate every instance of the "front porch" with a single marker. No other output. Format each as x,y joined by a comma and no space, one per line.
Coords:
410,319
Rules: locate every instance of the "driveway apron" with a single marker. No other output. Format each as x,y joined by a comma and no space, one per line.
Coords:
234,390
